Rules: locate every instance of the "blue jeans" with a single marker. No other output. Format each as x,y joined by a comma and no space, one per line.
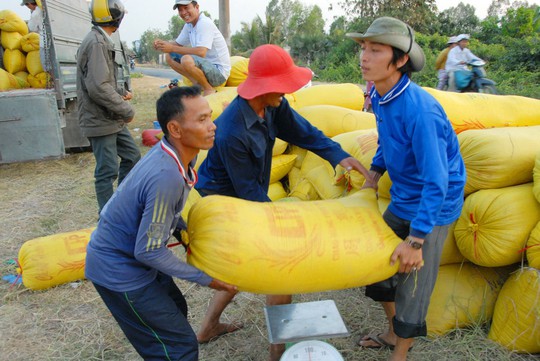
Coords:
411,291
154,320
211,73
106,150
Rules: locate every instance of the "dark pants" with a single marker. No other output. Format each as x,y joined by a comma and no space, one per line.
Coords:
154,320
411,291
106,150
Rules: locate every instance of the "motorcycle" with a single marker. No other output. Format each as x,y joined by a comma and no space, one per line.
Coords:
475,80
132,64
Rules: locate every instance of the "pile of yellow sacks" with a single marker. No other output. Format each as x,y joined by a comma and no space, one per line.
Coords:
22,63
323,233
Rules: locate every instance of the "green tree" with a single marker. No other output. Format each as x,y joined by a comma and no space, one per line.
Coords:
459,19
519,23
175,27
147,52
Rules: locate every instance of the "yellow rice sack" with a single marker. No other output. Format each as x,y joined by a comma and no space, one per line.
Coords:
495,224
53,260
281,165
30,42
333,120
300,154
533,247
536,177
464,295
239,71
280,146
193,197
499,157
344,95
10,21
300,187
33,63
276,191
11,40
40,80
14,60
291,247
481,111
8,81
516,319
22,82
220,100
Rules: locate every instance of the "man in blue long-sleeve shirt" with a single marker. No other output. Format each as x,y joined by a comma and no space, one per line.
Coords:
240,162
127,257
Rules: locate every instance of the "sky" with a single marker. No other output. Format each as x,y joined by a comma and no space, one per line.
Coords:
155,14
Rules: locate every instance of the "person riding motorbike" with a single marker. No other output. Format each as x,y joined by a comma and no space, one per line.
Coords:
458,59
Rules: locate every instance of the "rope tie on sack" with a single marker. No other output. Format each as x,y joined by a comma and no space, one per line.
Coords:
474,228
19,275
528,247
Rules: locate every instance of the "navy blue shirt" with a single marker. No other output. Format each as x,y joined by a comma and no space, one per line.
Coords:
239,163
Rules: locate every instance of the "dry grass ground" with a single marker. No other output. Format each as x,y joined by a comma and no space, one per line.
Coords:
70,322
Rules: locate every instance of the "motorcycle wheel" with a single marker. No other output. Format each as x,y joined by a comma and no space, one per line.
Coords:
488,89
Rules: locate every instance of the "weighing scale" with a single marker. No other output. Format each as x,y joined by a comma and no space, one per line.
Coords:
304,323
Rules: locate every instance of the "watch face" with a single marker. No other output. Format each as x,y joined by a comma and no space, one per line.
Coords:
415,245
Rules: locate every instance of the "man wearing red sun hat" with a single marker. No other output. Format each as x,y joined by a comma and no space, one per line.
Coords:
239,164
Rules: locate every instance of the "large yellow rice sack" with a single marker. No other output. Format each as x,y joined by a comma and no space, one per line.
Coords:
33,63
11,40
464,295
14,61
344,95
239,71
516,319
281,165
495,224
276,191
53,260
533,247
280,146
292,247
536,177
333,120
22,81
30,42
220,100
300,187
480,111
499,157
10,21
330,183
40,80
7,81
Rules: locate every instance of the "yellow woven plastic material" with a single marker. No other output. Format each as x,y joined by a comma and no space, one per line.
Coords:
11,40
344,95
7,80
516,320
276,191
480,111
450,253
499,157
220,100
10,21
495,224
536,177
292,247
30,42
333,120
53,260
33,63
14,61
239,71
280,146
464,295
533,248
40,80
281,165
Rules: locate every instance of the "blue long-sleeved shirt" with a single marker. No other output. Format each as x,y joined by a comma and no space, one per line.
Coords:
239,163
419,149
129,245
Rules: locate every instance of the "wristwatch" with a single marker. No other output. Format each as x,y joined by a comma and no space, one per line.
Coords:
411,242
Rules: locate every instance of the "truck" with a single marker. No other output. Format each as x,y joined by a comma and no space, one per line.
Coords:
38,124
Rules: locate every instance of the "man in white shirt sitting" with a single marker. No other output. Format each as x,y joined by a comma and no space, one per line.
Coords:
200,52
458,58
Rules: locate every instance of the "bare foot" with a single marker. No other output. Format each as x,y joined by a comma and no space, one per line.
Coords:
209,92
218,330
276,351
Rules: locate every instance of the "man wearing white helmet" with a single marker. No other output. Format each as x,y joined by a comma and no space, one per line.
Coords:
440,63
458,58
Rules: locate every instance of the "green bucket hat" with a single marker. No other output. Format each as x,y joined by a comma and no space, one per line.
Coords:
396,33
